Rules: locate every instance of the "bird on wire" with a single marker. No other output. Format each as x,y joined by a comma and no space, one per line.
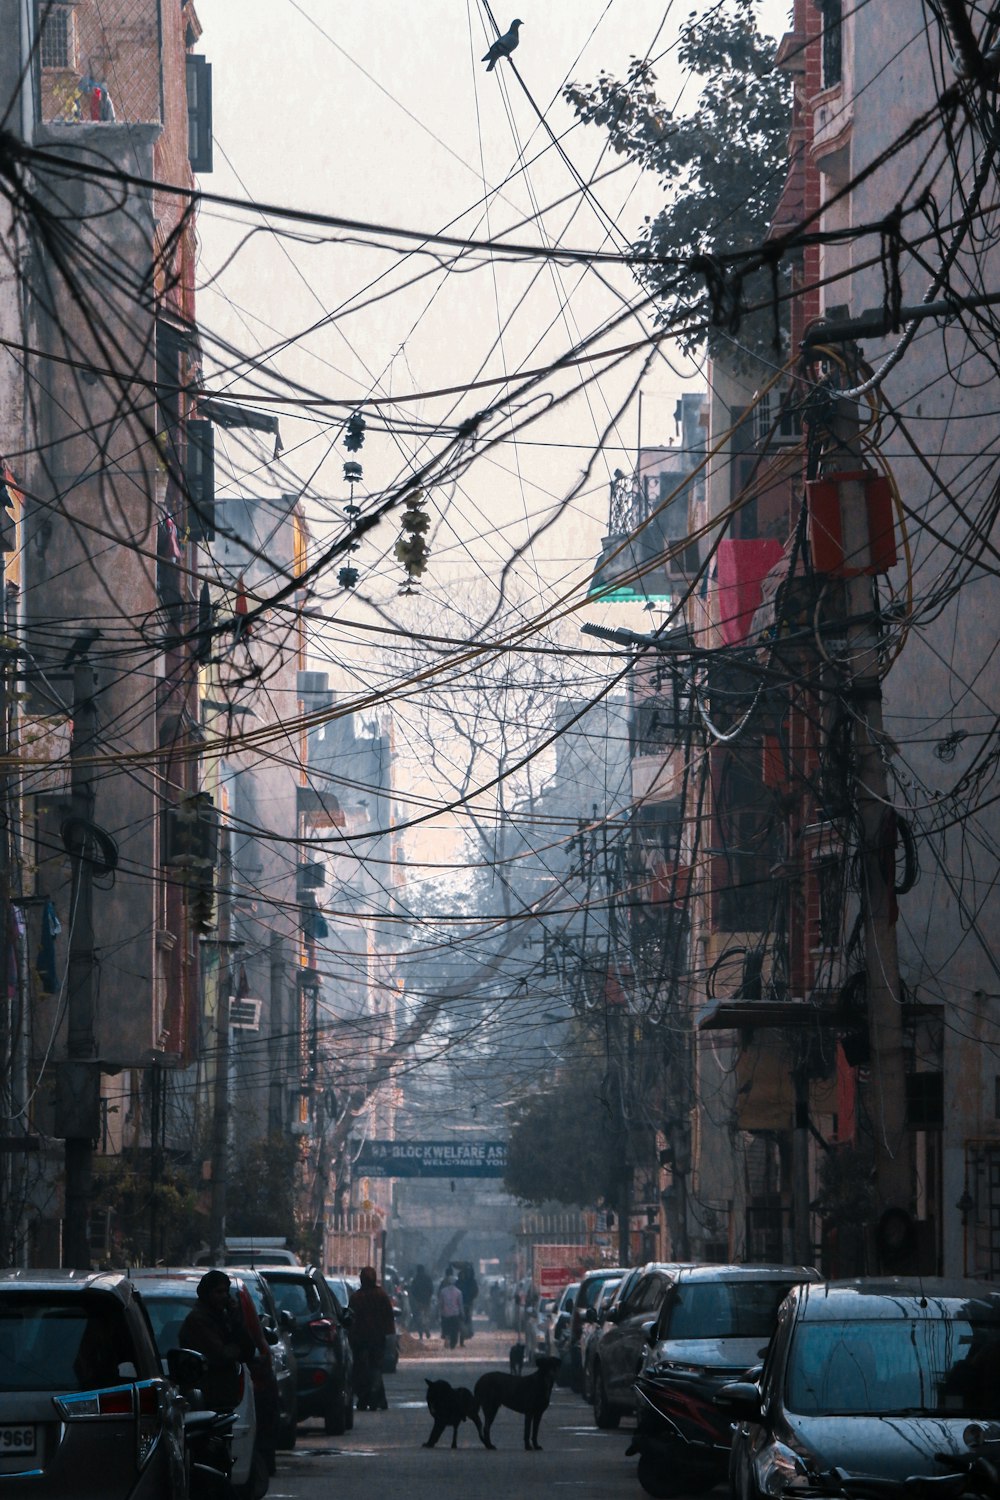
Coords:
503,46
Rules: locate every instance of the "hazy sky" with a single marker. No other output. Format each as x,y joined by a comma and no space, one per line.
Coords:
382,111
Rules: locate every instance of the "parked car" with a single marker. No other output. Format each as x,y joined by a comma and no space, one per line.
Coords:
546,1323
325,1365
874,1376
85,1409
714,1325
252,1250
277,1332
592,1324
584,1303
561,1322
168,1295
342,1286
620,1349
609,1316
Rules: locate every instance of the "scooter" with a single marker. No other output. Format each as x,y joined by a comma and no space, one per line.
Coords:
681,1437
207,1440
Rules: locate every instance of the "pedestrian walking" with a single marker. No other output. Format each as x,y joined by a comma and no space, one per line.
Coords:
451,1307
469,1287
374,1322
421,1290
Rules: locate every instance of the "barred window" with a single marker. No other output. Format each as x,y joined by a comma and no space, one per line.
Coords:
833,59
57,44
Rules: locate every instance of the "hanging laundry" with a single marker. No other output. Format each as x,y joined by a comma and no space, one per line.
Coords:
171,541
45,961
242,609
15,932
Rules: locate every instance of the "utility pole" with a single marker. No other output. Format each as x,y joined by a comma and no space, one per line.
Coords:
220,1117
78,1119
885,1094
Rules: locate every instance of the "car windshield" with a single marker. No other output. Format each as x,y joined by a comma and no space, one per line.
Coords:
590,1292
167,1316
723,1310
300,1298
895,1366
52,1341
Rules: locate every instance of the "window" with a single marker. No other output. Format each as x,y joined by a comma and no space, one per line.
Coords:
200,478
199,103
833,54
58,1341
57,43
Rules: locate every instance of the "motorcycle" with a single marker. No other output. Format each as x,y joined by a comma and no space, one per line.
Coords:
207,1441
208,1434
682,1438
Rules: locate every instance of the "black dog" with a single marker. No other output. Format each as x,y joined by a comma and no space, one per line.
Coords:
450,1405
516,1357
527,1393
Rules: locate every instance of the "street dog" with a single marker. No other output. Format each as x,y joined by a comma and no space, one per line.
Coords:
516,1358
450,1406
529,1394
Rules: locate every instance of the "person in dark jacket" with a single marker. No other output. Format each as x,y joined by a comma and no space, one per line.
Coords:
421,1290
215,1328
374,1322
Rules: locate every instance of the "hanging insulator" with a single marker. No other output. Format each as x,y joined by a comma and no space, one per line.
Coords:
355,434
347,577
353,472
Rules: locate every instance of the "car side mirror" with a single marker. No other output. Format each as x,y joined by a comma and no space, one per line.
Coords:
740,1400
186,1367
286,1321
590,1316
346,1317
612,1314
647,1330
271,1333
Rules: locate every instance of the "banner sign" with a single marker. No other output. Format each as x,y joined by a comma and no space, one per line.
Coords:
432,1159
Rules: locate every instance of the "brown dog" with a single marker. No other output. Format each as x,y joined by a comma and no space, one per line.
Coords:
529,1394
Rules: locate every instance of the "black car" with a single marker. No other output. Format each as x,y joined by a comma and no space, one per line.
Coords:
85,1409
318,1326
279,1337
584,1309
714,1325
619,1352
874,1376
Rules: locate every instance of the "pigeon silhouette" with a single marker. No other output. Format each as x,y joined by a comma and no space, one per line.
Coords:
502,47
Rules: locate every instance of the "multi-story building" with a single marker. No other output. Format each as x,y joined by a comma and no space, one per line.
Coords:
845,668
104,269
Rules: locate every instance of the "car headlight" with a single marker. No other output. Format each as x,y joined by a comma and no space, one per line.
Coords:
779,1469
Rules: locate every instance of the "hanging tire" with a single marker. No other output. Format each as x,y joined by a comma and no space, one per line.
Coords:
605,1415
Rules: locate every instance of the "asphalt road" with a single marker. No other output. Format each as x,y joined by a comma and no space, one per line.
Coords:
383,1458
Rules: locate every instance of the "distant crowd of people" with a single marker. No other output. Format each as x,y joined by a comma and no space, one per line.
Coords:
452,1303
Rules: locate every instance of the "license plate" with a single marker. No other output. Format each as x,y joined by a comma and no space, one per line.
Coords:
16,1441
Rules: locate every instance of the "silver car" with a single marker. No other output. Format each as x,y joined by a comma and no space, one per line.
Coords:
85,1409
